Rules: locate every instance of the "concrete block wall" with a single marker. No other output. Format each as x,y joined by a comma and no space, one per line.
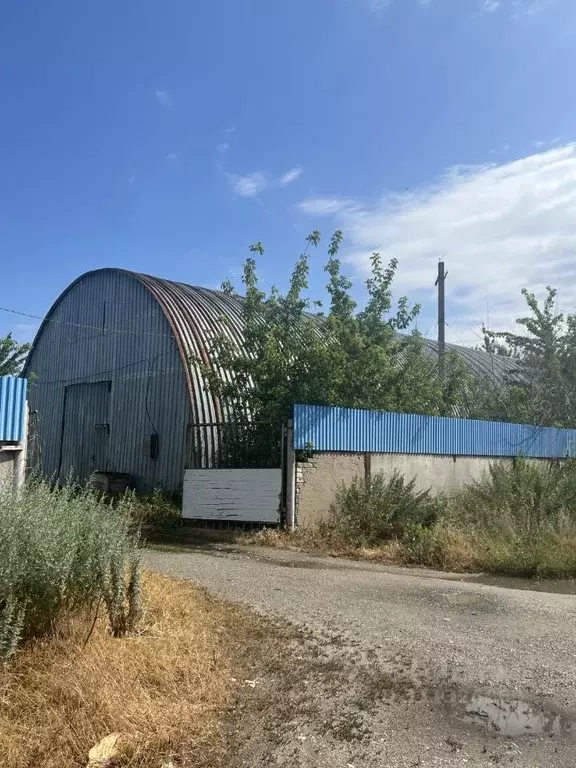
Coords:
6,467
317,480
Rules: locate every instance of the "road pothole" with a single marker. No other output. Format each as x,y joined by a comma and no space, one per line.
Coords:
512,717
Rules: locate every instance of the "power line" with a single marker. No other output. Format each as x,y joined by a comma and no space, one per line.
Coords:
97,373
98,328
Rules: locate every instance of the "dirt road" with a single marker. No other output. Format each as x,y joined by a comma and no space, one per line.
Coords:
417,669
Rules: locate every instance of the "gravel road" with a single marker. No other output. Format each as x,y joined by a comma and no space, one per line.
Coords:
430,670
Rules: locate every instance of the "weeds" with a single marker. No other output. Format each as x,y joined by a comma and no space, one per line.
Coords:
157,509
61,549
519,519
385,508
524,498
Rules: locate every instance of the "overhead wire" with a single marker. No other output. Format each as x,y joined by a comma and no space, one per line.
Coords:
98,328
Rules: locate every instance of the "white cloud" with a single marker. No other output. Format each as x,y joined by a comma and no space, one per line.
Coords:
171,156
290,176
326,206
499,227
379,7
515,9
163,98
547,142
250,185
223,148
523,8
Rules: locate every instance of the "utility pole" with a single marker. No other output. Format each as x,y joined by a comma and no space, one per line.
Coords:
442,275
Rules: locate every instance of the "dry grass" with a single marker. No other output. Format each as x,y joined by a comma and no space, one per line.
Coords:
165,688
444,547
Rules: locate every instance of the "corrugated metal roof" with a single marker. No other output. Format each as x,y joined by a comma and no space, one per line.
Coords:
12,408
196,315
349,430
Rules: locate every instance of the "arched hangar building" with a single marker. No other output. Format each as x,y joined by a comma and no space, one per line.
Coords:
115,384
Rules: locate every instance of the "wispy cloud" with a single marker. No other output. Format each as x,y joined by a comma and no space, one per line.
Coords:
489,6
515,9
526,8
171,156
253,184
164,98
501,150
290,176
223,147
545,143
250,185
131,179
380,7
500,227
326,206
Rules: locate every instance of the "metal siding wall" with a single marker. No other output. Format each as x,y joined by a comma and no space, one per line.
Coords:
355,431
141,359
12,408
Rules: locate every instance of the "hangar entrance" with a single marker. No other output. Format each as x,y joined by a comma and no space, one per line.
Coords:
85,431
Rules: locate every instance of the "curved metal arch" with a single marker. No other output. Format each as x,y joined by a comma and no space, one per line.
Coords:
195,315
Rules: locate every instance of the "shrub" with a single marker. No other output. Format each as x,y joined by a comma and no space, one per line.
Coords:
158,509
519,499
63,549
387,507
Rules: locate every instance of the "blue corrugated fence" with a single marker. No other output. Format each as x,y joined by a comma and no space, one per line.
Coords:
12,408
349,430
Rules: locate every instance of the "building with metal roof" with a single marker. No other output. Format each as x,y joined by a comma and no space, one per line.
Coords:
115,386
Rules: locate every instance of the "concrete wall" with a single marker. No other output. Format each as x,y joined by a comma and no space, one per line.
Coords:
7,466
318,479
12,465
440,473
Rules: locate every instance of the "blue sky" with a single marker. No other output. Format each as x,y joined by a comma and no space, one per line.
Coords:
165,137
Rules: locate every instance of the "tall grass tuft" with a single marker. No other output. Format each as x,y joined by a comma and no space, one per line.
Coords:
521,517
62,549
520,498
387,507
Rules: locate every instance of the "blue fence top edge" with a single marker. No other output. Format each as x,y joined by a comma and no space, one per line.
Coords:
348,430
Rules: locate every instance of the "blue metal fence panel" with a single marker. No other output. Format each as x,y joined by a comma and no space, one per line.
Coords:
12,408
350,430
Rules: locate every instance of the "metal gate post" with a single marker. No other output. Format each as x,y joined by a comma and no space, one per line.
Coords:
290,478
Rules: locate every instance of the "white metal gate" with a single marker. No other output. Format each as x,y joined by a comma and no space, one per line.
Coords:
241,495
234,473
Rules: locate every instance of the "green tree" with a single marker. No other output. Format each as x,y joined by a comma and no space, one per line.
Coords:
12,356
295,352
542,389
